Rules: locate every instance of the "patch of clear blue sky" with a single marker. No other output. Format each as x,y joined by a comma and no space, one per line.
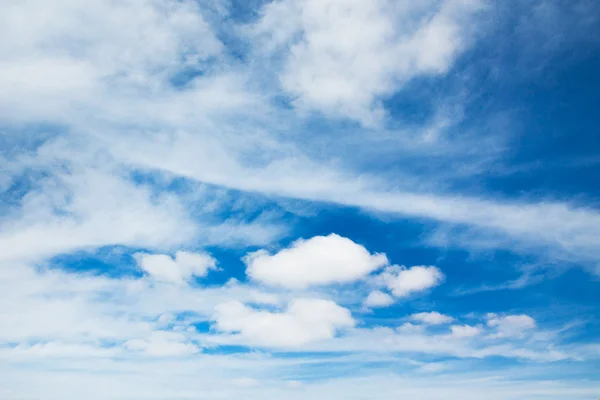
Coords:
545,84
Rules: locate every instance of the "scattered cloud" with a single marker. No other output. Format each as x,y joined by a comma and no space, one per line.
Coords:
402,281
320,260
179,269
378,298
90,209
463,331
511,325
343,57
432,318
409,328
304,321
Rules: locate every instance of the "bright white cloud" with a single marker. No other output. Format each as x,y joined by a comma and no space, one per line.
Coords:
464,331
87,53
320,260
402,281
568,231
343,56
431,318
89,209
511,325
378,298
179,269
304,321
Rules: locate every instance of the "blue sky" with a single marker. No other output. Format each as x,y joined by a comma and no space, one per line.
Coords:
299,199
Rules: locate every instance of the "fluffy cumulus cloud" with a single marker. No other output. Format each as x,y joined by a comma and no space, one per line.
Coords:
464,331
320,260
402,281
304,321
178,269
432,318
511,325
341,57
410,328
377,298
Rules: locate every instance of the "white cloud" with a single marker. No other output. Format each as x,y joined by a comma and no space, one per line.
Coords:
402,281
511,325
408,328
178,270
102,71
162,344
233,377
378,298
343,56
72,308
568,231
471,342
464,331
320,260
64,309
114,93
431,318
304,321
81,53
88,209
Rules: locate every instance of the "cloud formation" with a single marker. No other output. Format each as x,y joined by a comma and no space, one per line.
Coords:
304,321
178,269
378,298
320,260
402,281
431,318
343,57
143,143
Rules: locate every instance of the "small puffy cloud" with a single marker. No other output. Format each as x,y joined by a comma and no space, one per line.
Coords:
464,331
510,325
179,269
431,318
321,260
304,321
408,328
378,298
402,281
